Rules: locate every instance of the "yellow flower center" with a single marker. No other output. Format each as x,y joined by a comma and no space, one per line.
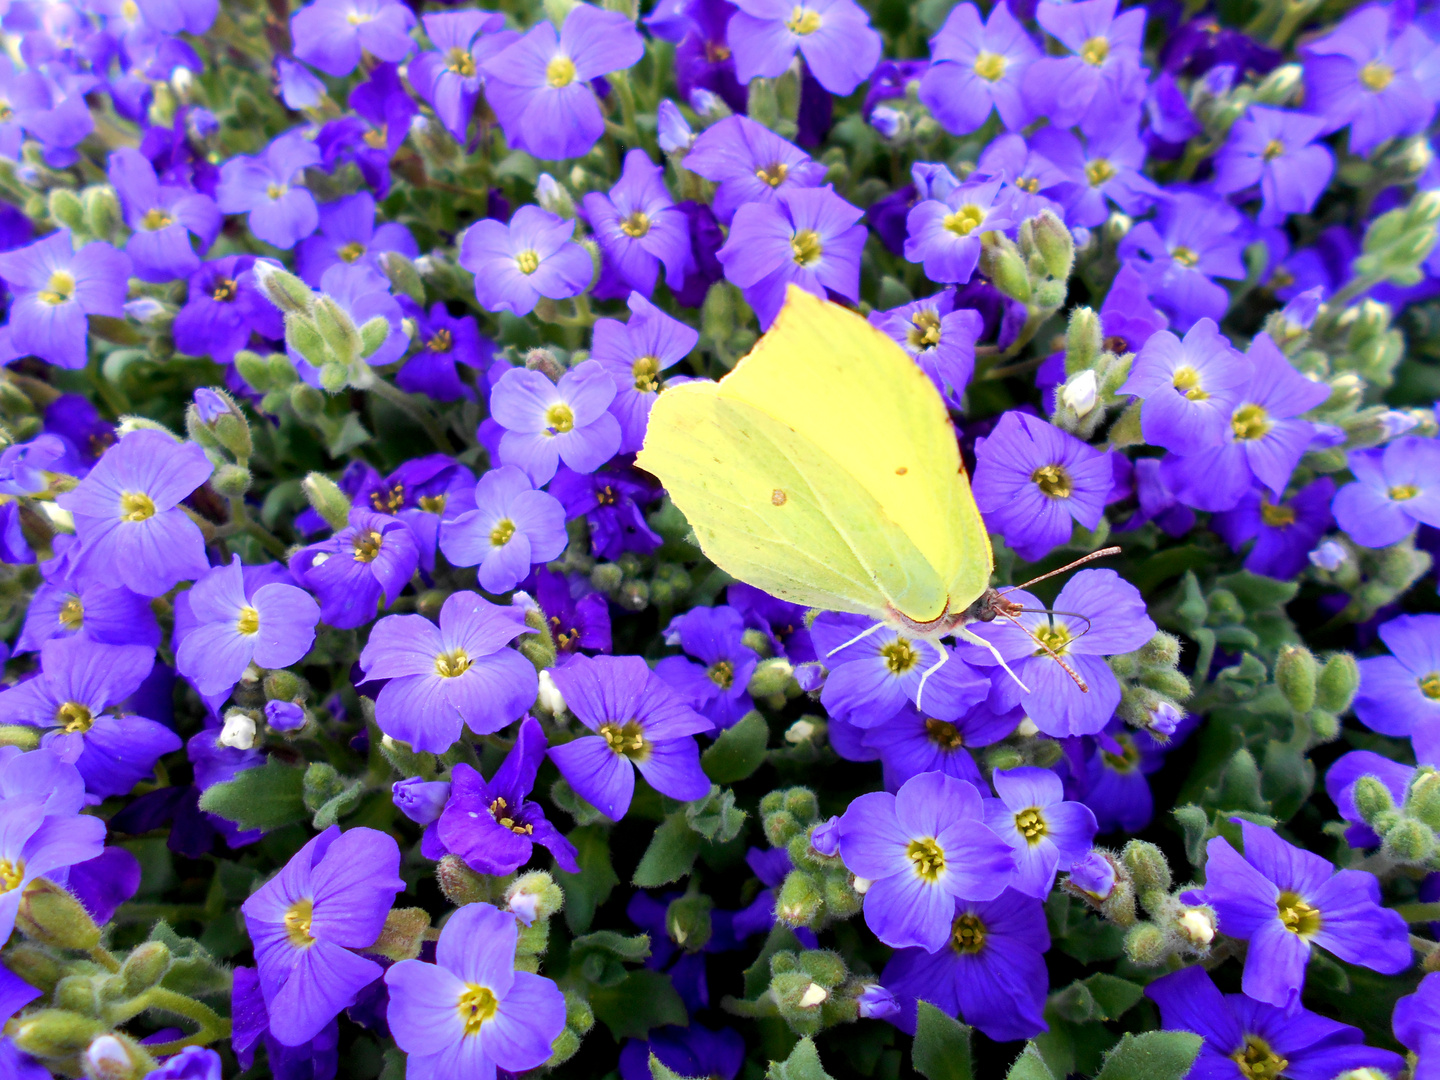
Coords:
967,934
627,739
1095,51
722,674
1257,1061
462,63
72,614
773,174
1273,149
990,66
1403,492
1187,380
527,262
606,496
1376,76
367,545
1031,824
1276,517
359,18
274,191
74,717
502,532
1054,481
249,621
1185,256
297,923
376,138
11,875
432,504
803,21
560,71
965,220
1250,422
226,289
1430,686
1127,759
477,1004
499,810
440,341
899,656
559,419
636,225
928,857
136,506
60,287
351,251
944,734
130,10
646,373
924,332
387,502
806,246
452,664
1297,916
1057,637
1028,183
1098,171
156,219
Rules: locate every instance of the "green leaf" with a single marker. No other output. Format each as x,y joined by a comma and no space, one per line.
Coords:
563,796
942,1045
394,1067
716,817
1196,825
739,750
348,436
266,797
644,1000
591,887
802,1064
1113,996
1286,779
670,855
1155,1055
600,957
660,1071
1257,593
1030,1065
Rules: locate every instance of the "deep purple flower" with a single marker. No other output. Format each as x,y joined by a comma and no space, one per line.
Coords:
613,503
1285,900
540,86
1114,784
945,230
371,559
782,621
687,1051
976,67
163,218
348,235
1105,51
575,622
1033,482
224,307
312,1059
834,37
422,801
1399,694
489,823
922,849
1127,318
127,516
1105,167
471,1013
511,528
750,163
635,353
67,606
808,237
1046,832
1193,239
1396,488
382,113
330,898
55,287
420,493
333,35
445,340
1417,1025
449,77
1284,532
639,227
546,423
1276,149
717,686
1191,388
533,256
703,60
459,673
937,740
263,187
637,720
1110,619
940,337
990,970
272,625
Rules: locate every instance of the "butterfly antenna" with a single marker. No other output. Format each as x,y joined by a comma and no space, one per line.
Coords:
858,637
920,692
1084,689
975,639
1101,554
1052,611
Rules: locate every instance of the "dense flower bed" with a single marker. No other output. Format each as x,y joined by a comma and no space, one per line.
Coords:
368,712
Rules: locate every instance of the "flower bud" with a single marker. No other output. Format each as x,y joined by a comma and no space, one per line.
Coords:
825,838
286,291
1329,556
875,1002
1055,244
1279,86
1001,262
802,730
1083,340
66,209
37,966
404,278
302,335
1339,679
422,801
771,677
890,123
145,966
338,330
673,133
1148,866
1080,392
1372,798
107,1058
1409,842
1197,926
799,901
1296,674
549,696
50,915
328,500
1146,944
1093,875
232,481
238,732
810,676
373,334
687,921
102,211
1422,801
460,884
254,369
55,1033
79,994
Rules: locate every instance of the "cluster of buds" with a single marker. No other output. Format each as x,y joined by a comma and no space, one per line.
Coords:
818,890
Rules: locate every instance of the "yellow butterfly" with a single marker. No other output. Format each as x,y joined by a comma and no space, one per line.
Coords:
824,469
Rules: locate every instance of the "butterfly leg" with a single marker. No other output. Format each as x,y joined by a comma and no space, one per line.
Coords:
976,639
858,637
920,690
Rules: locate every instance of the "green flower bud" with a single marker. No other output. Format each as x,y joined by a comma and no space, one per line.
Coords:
607,577
460,884
402,935
232,481
1001,262
1173,684
145,966
1050,295
532,943
1410,842
328,500
282,371
1296,674
308,403
534,896
35,964
56,1033
1422,801
1003,757
283,685
1371,797
1162,650
798,999
800,900
578,1013
1148,867
1055,244
1279,86
302,335
404,278
1336,685
1324,727
756,640
338,330
825,966
771,677
565,1046
841,899
50,915
102,211
1146,944
285,290
802,803
80,994
687,921
66,208
373,335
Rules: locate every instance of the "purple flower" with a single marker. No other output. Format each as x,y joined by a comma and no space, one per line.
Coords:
1399,694
1395,488
808,237
281,213
1341,778
717,686
382,113
637,720
1114,786
1417,1025
834,37
638,227
922,849
1284,533
1032,180
990,970
704,63
471,1013
127,514
312,1059
419,493
533,256
940,338
1364,73
1245,1038
449,77
750,163
575,623
1094,875
1046,832
945,230
459,673
348,236
635,353
223,308
489,823
1033,482
191,1063
1194,238
1285,900
1110,619
540,86
65,606
912,742
1191,388
78,681
687,1051
272,625
1277,150
612,502
445,340
163,218
332,35
1105,167
1127,318
55,287
330,898
782,621
975,67
371,559
511,528
546,423
1105,52
363,293
422,801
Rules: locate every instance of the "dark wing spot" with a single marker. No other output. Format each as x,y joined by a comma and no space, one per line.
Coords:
901,471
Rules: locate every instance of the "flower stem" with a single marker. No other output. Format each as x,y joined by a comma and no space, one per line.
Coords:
413,409
213,1026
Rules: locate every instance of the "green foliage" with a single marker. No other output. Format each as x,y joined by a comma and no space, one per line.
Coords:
738,751
942,1045
266,797
1153,1055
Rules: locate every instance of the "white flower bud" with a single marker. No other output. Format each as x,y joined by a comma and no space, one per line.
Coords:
814,995
1330,555
107,1058
238,732
862,885
550,695
800,731
1198,926
1081,392
1027,729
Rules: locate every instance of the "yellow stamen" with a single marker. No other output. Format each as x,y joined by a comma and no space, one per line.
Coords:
1053,481
559,418
967,935
502,532
367,545
452,664
928,857
136,506
806,246
249,621
965,220
803,21
990,66
646,373
1297,916
560,72
477,1005
297,923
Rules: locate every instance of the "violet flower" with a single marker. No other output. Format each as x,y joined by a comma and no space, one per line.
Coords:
978,66
638,227
55,287
511,528
163,218
368,561
264,187
333,35
533,256
834,37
